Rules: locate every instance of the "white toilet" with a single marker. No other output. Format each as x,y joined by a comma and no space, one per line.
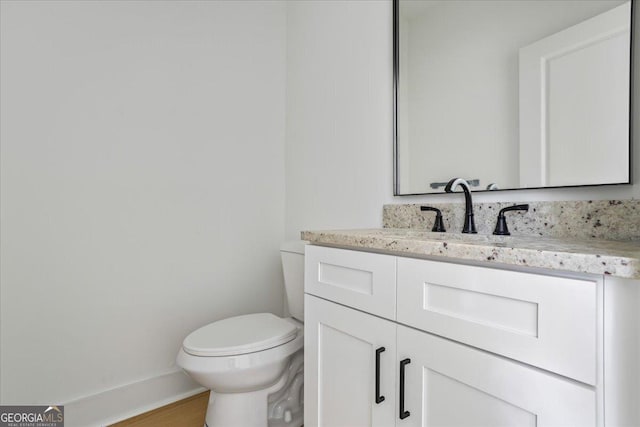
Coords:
253,364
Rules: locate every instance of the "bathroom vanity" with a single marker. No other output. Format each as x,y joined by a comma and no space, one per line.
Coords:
407,327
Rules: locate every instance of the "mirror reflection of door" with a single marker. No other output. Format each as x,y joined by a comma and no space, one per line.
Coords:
574,107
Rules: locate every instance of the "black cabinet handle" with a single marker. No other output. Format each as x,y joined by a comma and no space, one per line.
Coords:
379,399
403,414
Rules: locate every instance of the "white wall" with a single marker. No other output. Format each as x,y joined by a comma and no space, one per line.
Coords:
339,122
142,184
339,110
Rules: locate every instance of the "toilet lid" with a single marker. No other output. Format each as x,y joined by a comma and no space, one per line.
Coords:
239,335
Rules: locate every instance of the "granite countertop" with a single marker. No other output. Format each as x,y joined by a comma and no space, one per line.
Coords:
595,256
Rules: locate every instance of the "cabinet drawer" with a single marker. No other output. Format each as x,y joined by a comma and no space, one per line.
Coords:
362,280
545,321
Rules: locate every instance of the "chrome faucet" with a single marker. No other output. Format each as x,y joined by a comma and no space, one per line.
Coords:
469,224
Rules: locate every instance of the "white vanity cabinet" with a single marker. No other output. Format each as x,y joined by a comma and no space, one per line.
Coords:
464,345
348,351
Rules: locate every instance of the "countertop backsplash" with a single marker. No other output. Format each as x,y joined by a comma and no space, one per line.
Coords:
586,219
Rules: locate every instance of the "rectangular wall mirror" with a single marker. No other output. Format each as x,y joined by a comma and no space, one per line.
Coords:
511,94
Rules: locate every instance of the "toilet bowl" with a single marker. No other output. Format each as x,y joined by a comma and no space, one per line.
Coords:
241,377
253,364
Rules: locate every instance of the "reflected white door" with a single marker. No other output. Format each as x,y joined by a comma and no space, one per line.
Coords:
574,104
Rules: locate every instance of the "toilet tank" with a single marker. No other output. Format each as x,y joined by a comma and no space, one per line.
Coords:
292,254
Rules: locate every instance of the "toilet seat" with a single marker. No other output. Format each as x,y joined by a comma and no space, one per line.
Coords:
225,365
240,335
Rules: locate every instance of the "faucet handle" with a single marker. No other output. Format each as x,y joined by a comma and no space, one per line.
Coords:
438,225
501,225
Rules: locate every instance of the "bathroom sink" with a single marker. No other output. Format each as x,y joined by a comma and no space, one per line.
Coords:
459,238
468,238
404,234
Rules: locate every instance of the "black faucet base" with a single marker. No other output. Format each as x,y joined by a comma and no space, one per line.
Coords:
469,225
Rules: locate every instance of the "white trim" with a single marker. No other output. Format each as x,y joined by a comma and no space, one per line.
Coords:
121,403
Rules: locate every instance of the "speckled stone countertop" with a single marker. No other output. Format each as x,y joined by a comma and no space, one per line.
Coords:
595,256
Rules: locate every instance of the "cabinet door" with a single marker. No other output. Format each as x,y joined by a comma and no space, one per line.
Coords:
341,349
450,384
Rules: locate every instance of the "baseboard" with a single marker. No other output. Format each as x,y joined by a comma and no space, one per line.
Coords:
130,400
